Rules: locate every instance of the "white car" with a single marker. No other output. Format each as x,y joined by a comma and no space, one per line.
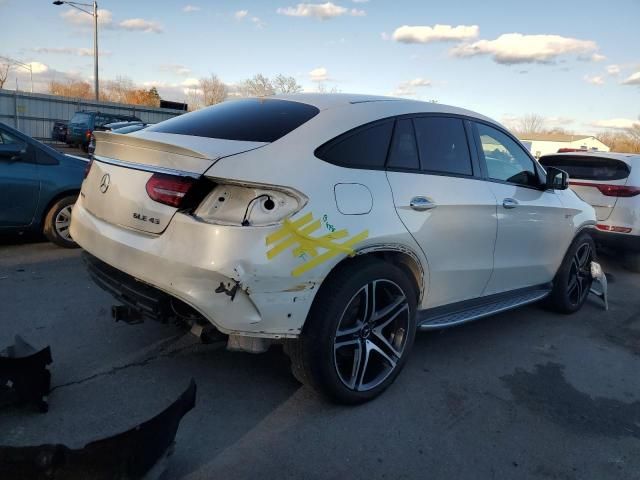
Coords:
611,183
335,224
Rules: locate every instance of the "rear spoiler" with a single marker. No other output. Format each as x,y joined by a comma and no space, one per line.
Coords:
187,153
107,138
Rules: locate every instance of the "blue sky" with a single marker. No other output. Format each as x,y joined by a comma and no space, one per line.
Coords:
577,63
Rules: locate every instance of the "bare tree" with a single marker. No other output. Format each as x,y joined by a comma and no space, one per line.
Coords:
283,84
530,123
258,86
4,73
213,90
71,88
322,88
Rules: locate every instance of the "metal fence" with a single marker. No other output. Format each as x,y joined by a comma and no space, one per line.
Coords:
34,113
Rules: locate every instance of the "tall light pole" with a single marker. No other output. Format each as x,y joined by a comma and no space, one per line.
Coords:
94,14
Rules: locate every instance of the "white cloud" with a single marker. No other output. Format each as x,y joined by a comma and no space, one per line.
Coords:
141,25
240,14
80,52
613,70
190,82
38,67
175,68
615,123
319,74
596,57
190,8
437,33
594,80
323,11
633,79
408,88
76,17
257,22
512,48
360,1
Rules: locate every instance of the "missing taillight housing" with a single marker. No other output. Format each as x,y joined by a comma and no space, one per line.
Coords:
169,189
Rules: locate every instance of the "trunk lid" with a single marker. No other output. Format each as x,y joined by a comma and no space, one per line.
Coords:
115,188
589,192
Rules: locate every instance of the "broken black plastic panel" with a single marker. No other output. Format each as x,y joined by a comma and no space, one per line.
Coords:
128,455
24,376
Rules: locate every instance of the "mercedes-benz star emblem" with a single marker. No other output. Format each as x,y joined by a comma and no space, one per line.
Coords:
104,183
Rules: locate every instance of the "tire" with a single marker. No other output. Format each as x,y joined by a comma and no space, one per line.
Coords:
573,281
632,261
57,221
334,345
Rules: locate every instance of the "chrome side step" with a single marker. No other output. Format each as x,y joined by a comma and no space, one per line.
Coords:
449,316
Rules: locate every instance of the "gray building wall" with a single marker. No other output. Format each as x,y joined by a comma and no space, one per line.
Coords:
34,113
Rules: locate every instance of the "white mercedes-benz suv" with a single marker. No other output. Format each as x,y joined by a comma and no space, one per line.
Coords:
335,224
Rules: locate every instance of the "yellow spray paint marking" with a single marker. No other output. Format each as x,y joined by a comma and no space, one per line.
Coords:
297,235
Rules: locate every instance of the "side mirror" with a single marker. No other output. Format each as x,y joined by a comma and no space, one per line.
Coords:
12,152
556,179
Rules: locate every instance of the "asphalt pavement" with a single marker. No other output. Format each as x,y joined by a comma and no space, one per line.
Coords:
524,394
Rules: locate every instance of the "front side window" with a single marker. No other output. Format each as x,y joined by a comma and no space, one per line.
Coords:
8,139
442,143
364,148
506,161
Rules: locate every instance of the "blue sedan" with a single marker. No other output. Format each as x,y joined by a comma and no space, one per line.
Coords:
38,187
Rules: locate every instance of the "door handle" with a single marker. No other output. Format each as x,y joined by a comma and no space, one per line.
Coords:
421,204
509,203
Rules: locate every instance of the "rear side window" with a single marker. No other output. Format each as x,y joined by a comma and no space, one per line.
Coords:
364,148
588,168
404,151
442,143
253,120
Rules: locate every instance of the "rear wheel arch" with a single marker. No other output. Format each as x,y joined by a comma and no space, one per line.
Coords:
397,255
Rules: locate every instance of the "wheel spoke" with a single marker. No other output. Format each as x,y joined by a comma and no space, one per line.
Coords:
372,347
583,255
348,333
363,363
382,343
390,312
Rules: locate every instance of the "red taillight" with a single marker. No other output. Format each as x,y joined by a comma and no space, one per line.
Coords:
611,228
88,134
169,189
88,167
611,190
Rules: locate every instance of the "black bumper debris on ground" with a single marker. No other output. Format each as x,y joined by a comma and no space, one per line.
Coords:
24,376
127,455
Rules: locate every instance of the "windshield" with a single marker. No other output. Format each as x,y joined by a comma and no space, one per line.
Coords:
252,120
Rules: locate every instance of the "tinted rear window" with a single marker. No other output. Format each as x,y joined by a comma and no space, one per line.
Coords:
253,120
588,168
442,143
364,148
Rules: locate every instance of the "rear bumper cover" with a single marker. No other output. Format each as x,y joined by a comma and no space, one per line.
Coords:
622,241
191,261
